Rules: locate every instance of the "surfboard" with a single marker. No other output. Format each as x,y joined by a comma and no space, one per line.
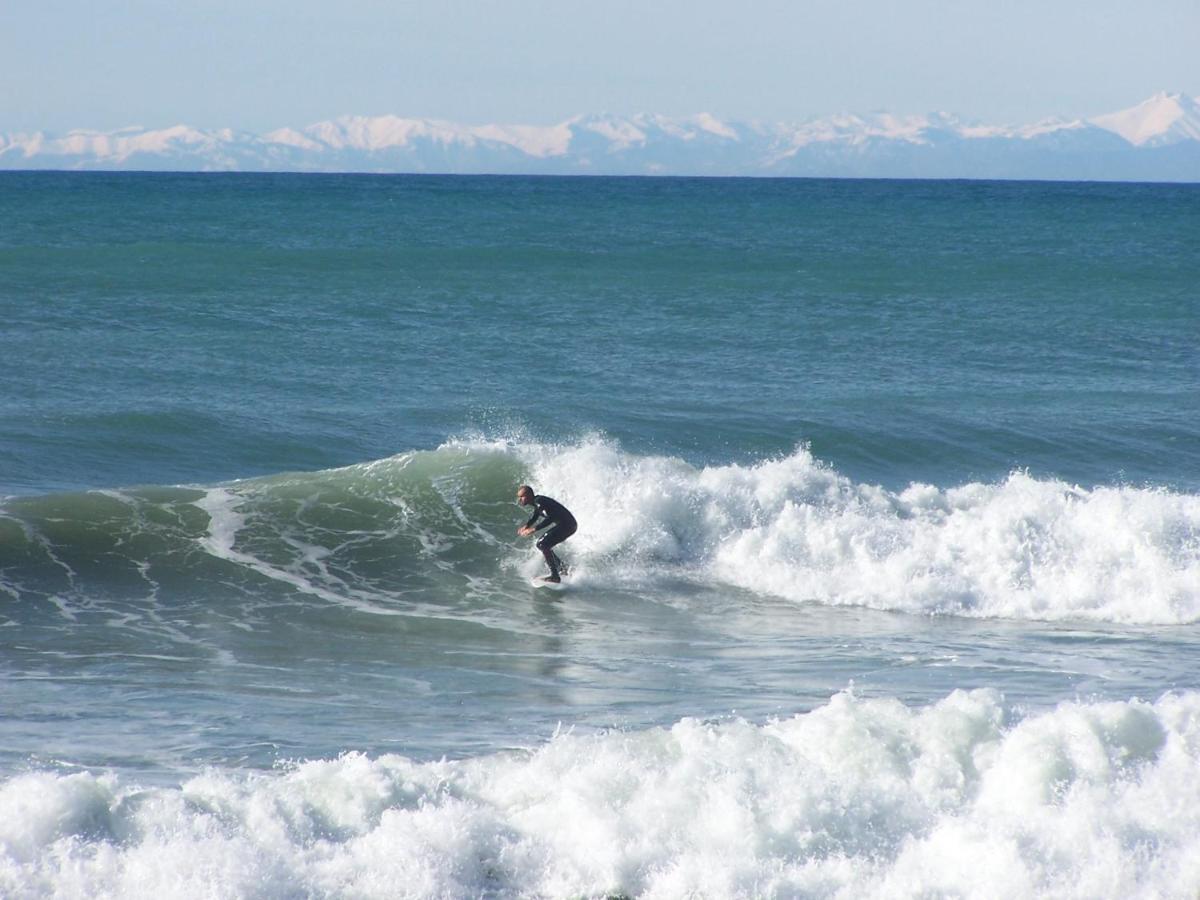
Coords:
552,585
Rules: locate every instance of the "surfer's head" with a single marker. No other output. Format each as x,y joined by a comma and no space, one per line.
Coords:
524,495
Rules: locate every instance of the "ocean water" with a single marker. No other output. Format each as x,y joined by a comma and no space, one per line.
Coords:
887,582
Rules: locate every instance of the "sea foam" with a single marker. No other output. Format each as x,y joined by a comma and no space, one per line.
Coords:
858,798
1026,547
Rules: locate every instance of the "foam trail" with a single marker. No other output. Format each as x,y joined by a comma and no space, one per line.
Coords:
226,522
858,798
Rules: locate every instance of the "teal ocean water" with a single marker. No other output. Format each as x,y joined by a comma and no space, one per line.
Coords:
887,581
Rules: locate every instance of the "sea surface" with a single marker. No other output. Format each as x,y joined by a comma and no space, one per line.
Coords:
887,580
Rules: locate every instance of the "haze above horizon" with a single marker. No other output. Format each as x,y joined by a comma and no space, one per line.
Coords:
215,63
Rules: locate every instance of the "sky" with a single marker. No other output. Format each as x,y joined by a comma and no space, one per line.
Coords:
256,65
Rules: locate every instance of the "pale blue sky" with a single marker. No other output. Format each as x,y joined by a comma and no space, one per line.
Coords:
261,64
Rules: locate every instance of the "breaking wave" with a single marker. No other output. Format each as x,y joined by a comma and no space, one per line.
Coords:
427,526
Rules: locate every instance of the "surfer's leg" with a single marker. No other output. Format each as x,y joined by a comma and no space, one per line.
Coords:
547,542
554,563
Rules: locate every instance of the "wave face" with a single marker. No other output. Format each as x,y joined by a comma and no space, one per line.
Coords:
436,528
858,798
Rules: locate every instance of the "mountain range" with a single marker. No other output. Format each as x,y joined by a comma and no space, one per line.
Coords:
1157,140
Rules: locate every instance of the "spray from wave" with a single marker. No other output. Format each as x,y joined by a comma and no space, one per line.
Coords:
429,528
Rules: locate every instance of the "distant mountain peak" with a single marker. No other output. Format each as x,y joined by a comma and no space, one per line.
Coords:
1160,120
1158,139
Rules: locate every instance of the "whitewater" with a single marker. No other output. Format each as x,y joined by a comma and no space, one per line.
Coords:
887,579
854,799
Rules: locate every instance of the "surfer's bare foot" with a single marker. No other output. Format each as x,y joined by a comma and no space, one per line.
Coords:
553,579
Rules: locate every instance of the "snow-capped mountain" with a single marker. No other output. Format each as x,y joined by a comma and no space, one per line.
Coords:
1157,140
1162,120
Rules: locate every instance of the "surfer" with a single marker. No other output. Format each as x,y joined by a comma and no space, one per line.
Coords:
551,512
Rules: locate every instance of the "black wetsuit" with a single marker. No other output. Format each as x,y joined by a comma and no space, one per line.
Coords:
551,512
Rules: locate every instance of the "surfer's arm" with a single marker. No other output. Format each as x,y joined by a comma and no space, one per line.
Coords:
553,511
550,519
545,509
530,527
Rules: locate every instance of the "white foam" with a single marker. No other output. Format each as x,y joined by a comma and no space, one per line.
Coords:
1023,548
859,798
